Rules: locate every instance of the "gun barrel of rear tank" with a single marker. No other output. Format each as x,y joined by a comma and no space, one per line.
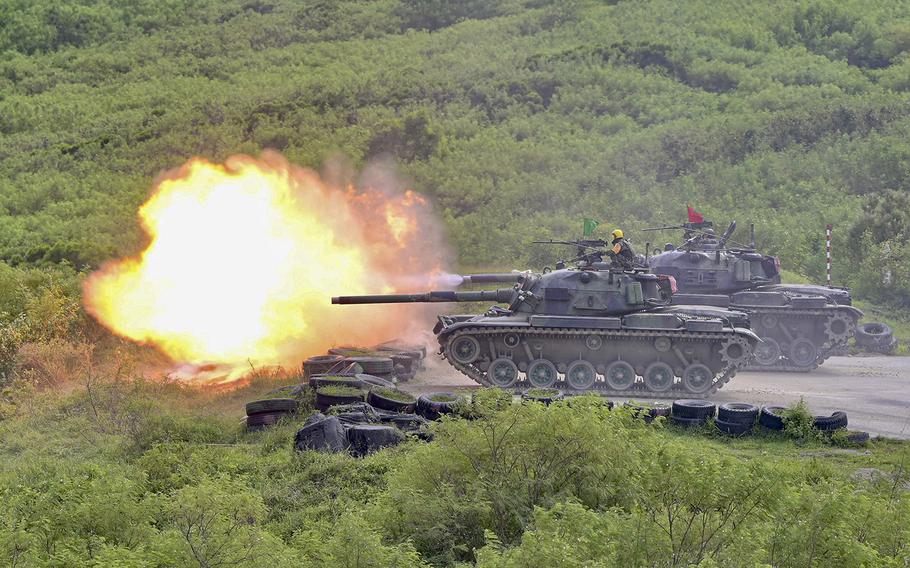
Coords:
503,295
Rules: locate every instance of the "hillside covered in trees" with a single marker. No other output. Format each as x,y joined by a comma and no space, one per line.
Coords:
519,117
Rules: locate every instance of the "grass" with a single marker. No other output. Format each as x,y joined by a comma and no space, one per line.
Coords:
443,398
340,390
395,394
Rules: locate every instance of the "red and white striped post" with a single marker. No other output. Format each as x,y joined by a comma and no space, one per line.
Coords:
828,250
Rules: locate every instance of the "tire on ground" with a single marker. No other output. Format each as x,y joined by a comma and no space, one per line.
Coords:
271,405
857,437
321,433
693,408
873,334
325,400
687,422
738,412
836,421
433,409
406,422
374,365
317,381
736,429
264,419
771,417
321,364
366,439
377,399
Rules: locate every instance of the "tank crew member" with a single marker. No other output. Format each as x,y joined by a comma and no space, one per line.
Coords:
622,254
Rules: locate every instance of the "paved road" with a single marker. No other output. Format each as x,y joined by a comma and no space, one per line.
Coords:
875,391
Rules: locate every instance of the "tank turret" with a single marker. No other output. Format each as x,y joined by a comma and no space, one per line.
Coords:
800,325
607,331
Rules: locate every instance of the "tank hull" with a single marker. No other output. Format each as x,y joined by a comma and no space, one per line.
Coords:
642,355
798,331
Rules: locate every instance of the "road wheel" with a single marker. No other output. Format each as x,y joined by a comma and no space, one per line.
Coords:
767,352
581,375
697,378
803,352
502,372
620,375
659,377
465,349
542,373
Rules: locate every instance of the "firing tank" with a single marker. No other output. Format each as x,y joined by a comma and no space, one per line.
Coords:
587,329
800,325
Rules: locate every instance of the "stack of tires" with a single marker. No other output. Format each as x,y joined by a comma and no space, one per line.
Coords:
772,418
322,364
263,413
736,418
382,367
875,337
691,413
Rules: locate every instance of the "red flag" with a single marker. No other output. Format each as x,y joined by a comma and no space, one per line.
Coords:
695,216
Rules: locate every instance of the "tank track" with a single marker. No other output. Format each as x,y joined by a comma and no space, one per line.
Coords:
825,350
600,388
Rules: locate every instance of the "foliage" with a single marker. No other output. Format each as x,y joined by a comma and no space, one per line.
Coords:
394,394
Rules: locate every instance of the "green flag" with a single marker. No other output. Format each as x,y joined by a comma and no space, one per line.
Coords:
589,226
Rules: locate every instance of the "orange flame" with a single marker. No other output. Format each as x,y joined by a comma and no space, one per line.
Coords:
244,257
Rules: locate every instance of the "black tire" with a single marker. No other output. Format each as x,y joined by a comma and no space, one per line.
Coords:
735,429
325,400
836,421
693,408
379,401
648,411
374,365
271,405
737,412
319,381
873,334
372,414
433,409
406,422
321,433
321,364
771,417
264,419
858,437
364,439
373,380
687,422
886,349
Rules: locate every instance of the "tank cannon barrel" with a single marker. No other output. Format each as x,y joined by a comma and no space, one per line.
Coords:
500,296
491,278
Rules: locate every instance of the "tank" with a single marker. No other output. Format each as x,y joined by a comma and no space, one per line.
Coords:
588,329
800,325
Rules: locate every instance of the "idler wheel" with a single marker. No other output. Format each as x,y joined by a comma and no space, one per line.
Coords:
659,377
767,352
511,340
803,352
542,373
697,378
502,372
620,375
465,349
581,375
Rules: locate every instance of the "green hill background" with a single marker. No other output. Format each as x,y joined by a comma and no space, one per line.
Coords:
518,117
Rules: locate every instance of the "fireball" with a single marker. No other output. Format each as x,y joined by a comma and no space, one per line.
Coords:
243,258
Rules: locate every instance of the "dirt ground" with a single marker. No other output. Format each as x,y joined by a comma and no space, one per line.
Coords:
874,391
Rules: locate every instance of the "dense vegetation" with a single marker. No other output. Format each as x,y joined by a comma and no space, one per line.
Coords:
519,117
140,474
